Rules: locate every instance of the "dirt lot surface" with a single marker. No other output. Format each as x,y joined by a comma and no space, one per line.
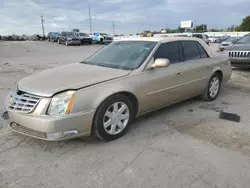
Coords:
185,145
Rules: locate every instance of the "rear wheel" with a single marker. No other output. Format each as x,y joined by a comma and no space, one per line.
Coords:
213,88
113,118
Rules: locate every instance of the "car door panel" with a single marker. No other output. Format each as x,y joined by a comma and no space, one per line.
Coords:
195,75
159,87
196,69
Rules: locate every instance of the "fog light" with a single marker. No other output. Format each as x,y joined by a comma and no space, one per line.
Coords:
64,134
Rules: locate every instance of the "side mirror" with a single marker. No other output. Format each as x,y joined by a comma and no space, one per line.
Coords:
160,63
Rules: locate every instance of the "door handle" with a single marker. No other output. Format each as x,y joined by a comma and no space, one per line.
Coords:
179,73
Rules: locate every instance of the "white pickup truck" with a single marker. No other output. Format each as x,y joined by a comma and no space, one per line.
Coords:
102,37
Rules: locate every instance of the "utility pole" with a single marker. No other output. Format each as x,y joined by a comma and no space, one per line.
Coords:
42,21
90,23
113,28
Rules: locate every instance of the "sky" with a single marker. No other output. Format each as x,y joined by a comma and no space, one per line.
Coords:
119,16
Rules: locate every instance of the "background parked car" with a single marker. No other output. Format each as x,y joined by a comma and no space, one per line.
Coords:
68,38
202,36
102,37
213,39
223,38
53,36
228,42
85,38
239,52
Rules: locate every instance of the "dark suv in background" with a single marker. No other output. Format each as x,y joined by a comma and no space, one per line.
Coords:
85,38
53,36
239,52
68,38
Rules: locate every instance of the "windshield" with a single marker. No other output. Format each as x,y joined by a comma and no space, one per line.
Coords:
83,34
69,33
128,55
103,34
231,39
244,40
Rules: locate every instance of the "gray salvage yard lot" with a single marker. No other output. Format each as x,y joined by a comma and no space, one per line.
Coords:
185,145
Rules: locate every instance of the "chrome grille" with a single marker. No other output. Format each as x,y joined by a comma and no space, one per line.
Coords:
27,131
239,54
23,102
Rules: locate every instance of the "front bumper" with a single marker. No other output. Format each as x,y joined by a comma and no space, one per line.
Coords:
107,41
87,40
240,63
52,128
74,42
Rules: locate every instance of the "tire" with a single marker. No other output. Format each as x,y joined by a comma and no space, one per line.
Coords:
112,131
208,95
101,41
58,41
66,43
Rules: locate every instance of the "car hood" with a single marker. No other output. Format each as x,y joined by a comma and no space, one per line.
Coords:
239,47
71,76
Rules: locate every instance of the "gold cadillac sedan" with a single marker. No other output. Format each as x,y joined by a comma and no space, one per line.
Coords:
103,94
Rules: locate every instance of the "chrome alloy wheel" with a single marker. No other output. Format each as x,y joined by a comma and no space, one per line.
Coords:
116,118
214,87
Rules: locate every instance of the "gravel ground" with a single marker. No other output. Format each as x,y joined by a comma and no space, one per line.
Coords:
185,145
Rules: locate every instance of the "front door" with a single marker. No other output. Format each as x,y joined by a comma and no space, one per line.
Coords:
161,85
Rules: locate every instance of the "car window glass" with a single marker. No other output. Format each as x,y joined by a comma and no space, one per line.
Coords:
190,50
203,53
168,51
244,40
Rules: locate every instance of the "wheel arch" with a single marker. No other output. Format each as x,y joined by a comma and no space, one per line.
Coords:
218,71
128,94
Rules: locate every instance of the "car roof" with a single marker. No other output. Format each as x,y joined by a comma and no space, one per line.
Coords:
172,39
159,39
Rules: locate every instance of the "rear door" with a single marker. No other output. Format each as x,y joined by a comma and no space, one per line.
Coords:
196,69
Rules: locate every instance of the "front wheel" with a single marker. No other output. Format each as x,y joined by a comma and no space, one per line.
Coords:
213,88
113,118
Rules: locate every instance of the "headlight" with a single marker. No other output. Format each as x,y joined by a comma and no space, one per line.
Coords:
61,104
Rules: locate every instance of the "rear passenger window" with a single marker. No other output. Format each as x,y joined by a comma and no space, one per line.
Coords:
202,51
190,50
168,51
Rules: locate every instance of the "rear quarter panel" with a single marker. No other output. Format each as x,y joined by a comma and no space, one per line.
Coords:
222,63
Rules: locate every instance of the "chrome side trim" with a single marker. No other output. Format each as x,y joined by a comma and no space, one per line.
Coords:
173,87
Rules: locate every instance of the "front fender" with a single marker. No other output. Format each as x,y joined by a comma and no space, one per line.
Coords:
91,97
